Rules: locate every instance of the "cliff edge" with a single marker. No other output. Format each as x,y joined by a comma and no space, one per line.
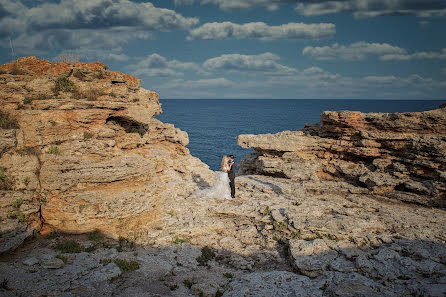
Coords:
399,156
80,150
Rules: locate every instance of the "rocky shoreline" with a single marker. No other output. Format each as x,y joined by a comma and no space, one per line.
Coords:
352,206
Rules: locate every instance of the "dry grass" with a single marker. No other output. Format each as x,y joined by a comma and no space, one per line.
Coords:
68,58
8,121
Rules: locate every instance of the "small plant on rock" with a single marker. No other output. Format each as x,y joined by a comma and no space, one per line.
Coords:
279,226
126,266
26,181
17,214
266,211
8,121
15,70
96,236
178,240
64,84
69,246
207,254
53,233
53,150
188,283
4,285
17,203
27,100
88,135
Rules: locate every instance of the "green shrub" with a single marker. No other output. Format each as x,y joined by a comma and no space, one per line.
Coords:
17,214
69,246
53,150
206,255
8,121
53,233
279,226
17,203
15,70
26,181
178,240
126,266
188,283
96,236
2,174
266,211
27,100
64,84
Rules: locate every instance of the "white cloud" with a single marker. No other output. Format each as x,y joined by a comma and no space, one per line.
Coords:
313,82
353,52
373,8
86,54
183,2
264,63
200,83
157,65
262,31
245,4
72,24
415,56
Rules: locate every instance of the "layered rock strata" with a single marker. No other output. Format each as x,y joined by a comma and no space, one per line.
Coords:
80,150
400,155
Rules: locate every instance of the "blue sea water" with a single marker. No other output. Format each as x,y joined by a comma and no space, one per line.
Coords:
213,125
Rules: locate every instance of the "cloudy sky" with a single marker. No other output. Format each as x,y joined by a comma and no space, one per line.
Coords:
386,49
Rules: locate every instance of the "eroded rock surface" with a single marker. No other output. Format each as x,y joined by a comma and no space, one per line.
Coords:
86,152
401,156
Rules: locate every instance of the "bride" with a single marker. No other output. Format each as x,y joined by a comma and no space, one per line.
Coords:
220,189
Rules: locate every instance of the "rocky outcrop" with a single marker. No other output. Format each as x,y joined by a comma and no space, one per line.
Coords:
296,227
80,150
400,156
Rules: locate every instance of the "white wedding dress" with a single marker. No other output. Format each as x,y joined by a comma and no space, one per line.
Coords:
220,189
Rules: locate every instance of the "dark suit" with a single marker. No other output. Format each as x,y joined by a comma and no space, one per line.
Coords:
231,175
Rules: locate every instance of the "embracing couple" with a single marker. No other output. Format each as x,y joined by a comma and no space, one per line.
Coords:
224,185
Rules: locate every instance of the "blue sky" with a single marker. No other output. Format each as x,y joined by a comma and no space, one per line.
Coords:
358,49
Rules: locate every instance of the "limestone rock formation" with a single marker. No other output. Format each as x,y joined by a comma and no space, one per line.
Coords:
80,150
400,156
307,223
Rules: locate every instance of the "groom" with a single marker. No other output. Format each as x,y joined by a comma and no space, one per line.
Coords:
231,175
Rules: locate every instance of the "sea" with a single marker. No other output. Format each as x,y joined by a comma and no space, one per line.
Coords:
214,124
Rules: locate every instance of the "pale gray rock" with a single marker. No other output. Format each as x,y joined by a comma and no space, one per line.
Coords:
50,262
356,285
274,283
30,261
311,257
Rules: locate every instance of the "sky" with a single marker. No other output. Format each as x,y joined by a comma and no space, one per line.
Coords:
304,49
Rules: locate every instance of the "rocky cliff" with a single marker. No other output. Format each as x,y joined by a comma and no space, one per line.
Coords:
80,150
400,156
310,219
